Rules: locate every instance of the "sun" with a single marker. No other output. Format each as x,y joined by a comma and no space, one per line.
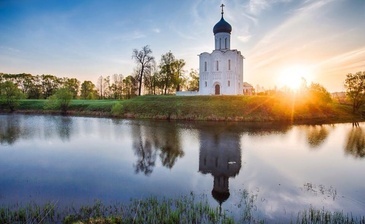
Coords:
293,77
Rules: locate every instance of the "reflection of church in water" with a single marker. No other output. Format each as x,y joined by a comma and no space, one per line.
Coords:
220,155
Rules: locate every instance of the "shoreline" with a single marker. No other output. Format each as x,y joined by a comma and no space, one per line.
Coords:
239,120
240,109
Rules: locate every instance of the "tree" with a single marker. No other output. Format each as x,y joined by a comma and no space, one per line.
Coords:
106,87
130,86
167,70
319,94
60,100
10,95
35,90
73,85
100,87
355,89
116,88
88,91
50,85
145,62
193,82
178,79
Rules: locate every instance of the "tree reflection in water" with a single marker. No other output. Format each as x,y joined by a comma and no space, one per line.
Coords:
63,126
316,135
146,156
152,140
355,144
171,147
11,129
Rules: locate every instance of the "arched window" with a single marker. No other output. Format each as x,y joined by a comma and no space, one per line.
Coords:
229,64
205,66
225,43
229,83
217,65
206,84
220,43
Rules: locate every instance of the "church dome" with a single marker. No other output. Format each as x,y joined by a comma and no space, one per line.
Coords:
222,27
220,197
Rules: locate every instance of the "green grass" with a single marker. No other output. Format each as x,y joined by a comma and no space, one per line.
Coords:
76,105
232,108
214,108
184,209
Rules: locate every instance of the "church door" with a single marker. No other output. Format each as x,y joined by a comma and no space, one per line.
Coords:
217,89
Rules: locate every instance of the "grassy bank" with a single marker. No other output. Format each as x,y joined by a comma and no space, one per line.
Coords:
215,108
234,108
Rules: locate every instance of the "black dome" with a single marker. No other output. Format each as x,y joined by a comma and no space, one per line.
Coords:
222,27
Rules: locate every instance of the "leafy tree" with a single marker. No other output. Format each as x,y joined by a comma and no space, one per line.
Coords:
178,79
88,91
116,88
73,85
60,100
130,86
167,70
10,95
193,82
319,94
106,87
145,62
50,84
355,89
35,89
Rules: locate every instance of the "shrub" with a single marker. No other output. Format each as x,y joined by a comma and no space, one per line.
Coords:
60,100
117,109
10,95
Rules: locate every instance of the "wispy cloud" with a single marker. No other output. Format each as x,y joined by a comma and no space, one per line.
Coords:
156,30
134,35
255,7
244,38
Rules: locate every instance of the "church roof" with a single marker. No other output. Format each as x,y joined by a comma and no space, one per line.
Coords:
222,27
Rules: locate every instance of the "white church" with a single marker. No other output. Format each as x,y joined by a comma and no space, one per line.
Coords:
221,72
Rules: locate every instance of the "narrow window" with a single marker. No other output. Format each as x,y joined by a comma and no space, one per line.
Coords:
217,65
225,43
205,66
229,83
206,84
229,64
220,43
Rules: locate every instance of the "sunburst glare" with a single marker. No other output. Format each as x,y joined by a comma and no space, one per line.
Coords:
293,77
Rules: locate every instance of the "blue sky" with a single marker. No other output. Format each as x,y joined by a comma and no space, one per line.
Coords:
320,40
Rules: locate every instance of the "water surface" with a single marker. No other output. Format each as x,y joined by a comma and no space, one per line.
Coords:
284,168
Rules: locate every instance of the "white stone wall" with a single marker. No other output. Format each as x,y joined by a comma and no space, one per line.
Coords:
222,41
223,68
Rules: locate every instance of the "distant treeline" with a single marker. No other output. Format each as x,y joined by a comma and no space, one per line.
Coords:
109,87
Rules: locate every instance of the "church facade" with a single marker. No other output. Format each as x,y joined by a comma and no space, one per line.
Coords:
221,72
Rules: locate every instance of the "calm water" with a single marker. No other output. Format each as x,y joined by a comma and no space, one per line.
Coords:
75,160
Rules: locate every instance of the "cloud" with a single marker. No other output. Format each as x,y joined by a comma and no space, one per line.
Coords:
156,30
255,7
244,38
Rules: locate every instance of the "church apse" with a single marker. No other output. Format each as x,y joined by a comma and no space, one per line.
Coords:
220,156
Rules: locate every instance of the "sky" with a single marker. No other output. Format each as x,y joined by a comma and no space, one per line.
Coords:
319,40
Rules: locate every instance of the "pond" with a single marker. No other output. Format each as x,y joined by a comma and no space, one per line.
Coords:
285,168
